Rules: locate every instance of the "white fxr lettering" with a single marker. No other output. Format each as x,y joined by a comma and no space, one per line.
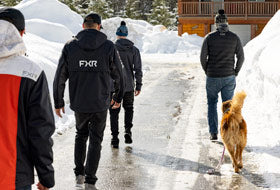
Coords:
90,63
29,74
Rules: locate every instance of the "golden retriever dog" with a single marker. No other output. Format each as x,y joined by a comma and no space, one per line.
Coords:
234,129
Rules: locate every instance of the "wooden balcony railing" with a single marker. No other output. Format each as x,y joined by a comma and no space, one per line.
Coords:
232,9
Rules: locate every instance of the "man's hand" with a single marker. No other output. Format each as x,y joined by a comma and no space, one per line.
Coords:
58,112
41,187
137,92
115,104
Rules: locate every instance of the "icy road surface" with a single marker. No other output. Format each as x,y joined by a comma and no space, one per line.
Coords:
171,149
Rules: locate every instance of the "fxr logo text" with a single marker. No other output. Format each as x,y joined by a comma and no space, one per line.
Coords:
90,63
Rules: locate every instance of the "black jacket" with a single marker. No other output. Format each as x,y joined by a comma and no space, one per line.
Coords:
131,59
34,98
89,61
218,53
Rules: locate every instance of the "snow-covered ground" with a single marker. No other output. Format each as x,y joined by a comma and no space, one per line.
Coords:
49,24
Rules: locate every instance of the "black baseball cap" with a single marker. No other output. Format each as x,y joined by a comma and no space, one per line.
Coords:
93,18
13,16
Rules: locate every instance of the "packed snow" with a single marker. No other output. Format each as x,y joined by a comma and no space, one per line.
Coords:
153,39
49,24
52,11
260,78
50,31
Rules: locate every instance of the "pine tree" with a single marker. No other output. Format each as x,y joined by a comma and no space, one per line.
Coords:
174,20
111,8
172,4
71,4
160,14
82,6
156,11
129,9
121,13
9,3
132,9
102,8
145,7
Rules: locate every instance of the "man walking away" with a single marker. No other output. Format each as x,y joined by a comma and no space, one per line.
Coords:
90,61
26,116
218,61
132,69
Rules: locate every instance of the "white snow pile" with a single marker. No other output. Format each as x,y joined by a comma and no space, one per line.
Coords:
50,19
153,39
260,78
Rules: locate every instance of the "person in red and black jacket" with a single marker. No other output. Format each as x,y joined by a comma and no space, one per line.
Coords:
26,116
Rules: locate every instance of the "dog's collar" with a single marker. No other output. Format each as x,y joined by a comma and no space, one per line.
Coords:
227,110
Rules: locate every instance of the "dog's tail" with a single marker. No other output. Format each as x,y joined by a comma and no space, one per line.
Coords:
237,102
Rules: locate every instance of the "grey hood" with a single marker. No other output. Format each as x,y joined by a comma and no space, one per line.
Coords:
11,42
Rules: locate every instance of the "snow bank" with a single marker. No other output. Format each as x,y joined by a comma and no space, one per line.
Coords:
50,31
260,78
46,55
153,39
52,13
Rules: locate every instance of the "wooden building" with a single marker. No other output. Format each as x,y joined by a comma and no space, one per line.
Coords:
247,18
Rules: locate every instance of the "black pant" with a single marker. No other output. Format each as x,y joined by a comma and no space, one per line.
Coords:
128,100
90,125
28,187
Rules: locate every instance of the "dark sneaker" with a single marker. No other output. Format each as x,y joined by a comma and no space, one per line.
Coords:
128,139
213,137
115,142
80,180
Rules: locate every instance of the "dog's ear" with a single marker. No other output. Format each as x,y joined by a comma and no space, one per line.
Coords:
226,105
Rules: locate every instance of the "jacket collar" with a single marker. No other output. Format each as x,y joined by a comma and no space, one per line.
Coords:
223,28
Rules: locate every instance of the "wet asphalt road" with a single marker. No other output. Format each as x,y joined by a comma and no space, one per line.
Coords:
171,149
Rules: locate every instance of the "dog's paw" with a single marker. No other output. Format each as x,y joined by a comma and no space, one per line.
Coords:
236,170
240,166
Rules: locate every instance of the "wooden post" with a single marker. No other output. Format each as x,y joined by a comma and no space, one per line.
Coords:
179,13
212,9
180,29
253,31
179,7
246,9
206,26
